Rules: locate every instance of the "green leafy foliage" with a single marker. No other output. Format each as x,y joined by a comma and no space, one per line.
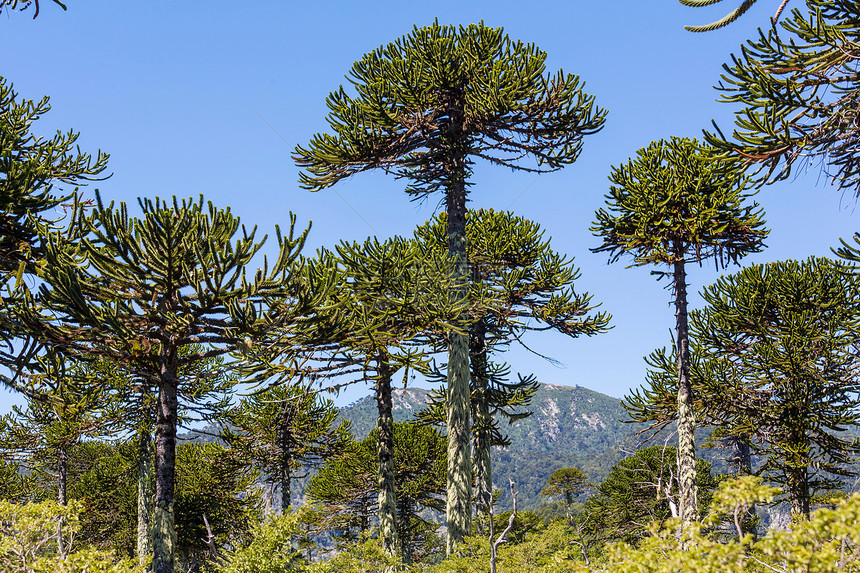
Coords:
40,538
347,488
641,489
797,89
34,174
283,429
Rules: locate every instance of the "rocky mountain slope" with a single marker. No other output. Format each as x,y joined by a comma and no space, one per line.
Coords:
570,426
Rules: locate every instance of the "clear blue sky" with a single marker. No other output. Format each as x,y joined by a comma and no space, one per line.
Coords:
211,98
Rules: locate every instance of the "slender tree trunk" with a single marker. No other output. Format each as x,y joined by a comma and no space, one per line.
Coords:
163,523
385,457
286,474
406,537
689,505
741,463
62,474
483,422
459,499
144,495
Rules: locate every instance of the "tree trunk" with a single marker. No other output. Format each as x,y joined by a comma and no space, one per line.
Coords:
459,499
385,457
286,474
483,422
689,506
62,474
163,524
798,493
144,495
741,463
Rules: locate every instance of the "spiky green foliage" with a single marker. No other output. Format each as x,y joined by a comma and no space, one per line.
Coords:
346,485
640,489
400,119
36,176
532,289
425,107
212,482
140,292
567,483
775,370
793,386
725,20
284,429
72,404
797,88
678,203
388,297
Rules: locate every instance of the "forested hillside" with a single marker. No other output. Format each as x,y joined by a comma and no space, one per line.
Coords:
571,426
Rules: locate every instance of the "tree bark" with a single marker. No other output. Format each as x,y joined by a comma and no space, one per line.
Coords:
385,458
483,427
144,495
459,499
798,493
689,506
62,474
286,474
163,523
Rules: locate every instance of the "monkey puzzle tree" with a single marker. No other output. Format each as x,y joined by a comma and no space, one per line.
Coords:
798,92
789,331
388,297
68,404
776,371
533,290
567,483
674,204
140,292
345,485
426,106
33,174
284,428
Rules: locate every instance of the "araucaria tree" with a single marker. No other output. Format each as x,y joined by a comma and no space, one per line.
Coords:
425,107
674,204
797,86
283,429
158,295
788,334
533,290
34,175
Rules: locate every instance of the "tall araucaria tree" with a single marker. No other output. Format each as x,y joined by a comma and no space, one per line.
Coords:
140,292
283,429
533,290
37,175
390,297
676,203
426,106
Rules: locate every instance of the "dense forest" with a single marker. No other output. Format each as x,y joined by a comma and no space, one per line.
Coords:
175,366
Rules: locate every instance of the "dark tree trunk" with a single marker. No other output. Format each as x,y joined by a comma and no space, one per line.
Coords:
689,506
385,458
163,522
798,492
62,474
286,473
483,422
459,499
